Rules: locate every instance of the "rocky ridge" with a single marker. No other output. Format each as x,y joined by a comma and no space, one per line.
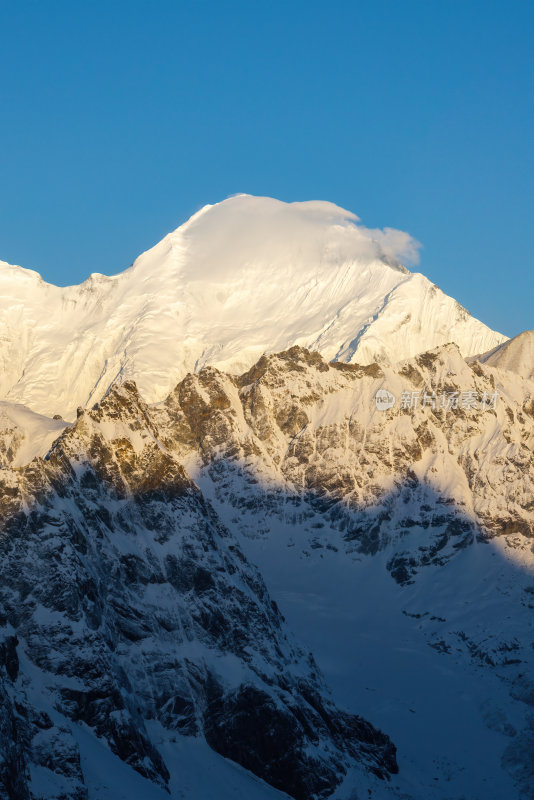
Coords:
125,601
128,591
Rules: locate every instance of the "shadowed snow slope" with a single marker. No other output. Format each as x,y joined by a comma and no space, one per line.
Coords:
240,278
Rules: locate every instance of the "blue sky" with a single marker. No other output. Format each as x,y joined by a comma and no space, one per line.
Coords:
120,119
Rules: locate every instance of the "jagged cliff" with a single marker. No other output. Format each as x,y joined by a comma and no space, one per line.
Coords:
145,559
125,601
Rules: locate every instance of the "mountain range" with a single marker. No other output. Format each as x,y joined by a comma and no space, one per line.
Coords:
281,544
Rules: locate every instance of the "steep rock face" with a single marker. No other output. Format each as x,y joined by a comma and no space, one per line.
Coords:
240,278
325,488
297,424
125,602
129,598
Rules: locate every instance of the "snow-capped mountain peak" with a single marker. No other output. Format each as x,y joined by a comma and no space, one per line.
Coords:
242,277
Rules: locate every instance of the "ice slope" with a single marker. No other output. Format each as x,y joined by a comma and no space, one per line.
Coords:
242,277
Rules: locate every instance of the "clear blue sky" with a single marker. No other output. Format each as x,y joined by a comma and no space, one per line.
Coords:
119,119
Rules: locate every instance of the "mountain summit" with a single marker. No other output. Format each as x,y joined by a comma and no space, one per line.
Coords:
243,277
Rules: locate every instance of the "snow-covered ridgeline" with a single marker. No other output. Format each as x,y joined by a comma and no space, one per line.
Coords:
240,278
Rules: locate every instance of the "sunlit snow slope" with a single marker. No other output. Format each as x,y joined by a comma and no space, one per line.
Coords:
25,435
240,278
515,355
